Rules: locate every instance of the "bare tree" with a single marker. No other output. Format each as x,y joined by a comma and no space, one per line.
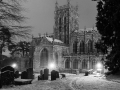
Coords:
10,23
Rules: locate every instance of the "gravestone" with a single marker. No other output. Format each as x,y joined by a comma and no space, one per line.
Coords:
24,75
53,75
30,73
7,75
16,74
57,74
46,74
41,76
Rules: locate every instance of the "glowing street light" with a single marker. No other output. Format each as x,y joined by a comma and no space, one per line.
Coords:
99,67
52,66
14,65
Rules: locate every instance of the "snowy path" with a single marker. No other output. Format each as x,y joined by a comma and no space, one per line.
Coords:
95,83
71,81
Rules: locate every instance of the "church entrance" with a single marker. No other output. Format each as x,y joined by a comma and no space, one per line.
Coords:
44,58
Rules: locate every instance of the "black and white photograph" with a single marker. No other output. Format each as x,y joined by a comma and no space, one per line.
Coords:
59,45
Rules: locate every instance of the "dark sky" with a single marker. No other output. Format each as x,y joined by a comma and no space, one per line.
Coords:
41,14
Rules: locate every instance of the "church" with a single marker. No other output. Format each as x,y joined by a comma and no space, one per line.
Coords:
70,49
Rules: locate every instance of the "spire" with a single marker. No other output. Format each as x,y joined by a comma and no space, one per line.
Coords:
68,1
56,9
56,5
77,7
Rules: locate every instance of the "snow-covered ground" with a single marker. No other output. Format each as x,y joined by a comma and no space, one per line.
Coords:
96,83
42,85
71,82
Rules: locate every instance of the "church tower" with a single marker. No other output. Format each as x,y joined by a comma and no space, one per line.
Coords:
66,21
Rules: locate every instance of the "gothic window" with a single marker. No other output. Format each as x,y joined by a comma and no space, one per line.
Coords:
86,48
75,64
60,28
90,46
44,57
75,47
60,21
64,20
65,33
82,47
65,30
84,64
67,63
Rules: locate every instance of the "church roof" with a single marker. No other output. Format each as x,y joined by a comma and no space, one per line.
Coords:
55,40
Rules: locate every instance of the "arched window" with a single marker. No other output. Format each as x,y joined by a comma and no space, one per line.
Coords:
60,28
67,63
64,20
82,47
84,64
65,33
75,47
60,21
44,57
86,48
75,64
90,46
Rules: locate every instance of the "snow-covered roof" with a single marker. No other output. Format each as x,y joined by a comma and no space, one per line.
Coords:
55,40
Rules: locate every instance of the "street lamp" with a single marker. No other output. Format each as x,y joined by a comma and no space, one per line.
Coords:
99,67
14,65
52,66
